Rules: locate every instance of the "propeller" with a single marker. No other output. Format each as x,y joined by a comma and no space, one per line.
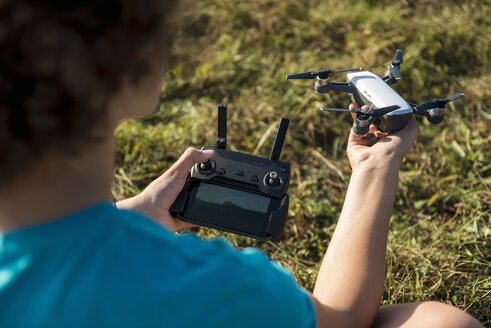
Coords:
444,101
398,60
393,73
434,109
356,110
437,103
373,112
395,67
322,74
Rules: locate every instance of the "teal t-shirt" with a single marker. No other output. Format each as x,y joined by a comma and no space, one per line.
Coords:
105,267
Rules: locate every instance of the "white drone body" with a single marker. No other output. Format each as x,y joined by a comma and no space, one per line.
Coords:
388,111
376,93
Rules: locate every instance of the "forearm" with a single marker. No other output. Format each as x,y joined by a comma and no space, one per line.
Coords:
352,273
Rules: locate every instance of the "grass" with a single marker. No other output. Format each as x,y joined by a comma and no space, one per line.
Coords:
238,52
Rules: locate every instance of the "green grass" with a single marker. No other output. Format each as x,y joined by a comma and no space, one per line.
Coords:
238,52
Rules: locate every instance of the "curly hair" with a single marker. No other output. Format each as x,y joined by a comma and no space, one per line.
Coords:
61,62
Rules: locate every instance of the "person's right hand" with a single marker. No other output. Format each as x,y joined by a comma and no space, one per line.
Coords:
155,201
381,149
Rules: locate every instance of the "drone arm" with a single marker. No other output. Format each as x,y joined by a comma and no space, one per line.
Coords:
386,77
431,109
434,109
361,125
422,109
392,75
323,86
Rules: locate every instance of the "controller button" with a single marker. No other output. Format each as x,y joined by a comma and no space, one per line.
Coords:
239,172
284,169
205,166
254,178
273,179
222,171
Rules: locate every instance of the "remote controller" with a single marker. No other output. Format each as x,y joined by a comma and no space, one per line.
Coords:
237,192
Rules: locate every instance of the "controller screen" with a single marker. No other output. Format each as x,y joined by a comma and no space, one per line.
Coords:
229,207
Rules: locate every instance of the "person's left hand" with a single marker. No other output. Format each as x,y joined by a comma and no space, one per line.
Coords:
381,149
156,200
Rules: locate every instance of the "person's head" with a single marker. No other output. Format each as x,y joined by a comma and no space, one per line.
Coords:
65,64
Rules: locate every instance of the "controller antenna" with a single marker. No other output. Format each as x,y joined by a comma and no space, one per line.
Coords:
222,126
280,138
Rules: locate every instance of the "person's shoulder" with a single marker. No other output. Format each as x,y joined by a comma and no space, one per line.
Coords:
143,230
215,280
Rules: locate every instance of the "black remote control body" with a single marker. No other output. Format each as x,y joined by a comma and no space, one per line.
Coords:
237,192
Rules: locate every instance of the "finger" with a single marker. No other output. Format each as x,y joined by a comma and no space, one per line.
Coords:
190,157
373,129
353,106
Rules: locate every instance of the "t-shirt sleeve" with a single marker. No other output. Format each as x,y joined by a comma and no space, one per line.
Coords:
268,292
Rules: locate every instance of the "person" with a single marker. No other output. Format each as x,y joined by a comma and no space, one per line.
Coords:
69,257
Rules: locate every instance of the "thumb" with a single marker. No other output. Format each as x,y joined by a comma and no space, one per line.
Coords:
190,157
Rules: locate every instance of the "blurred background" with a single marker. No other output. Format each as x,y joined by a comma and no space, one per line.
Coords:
238,52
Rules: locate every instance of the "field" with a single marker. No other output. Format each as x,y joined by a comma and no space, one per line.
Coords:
238,52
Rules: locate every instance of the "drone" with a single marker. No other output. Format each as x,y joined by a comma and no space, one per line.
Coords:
388,111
